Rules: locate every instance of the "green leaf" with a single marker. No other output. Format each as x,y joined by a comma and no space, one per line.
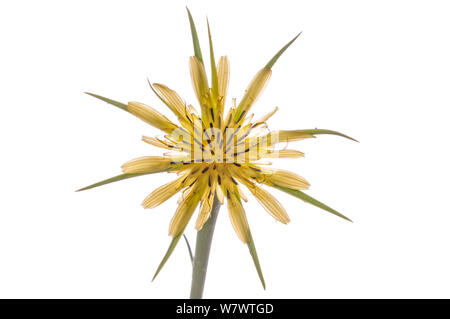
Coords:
115,103
110,180
276,56
310,200
214,80
197,50
252,249
172,246
318,131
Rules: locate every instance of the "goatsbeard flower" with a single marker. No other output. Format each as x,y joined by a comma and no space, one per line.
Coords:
215,153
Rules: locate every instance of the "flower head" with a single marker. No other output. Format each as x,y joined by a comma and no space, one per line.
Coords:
216,152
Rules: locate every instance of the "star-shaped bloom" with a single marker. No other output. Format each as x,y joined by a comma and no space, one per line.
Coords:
215,152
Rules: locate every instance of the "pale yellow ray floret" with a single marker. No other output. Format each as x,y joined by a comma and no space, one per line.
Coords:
284,178
205,208
164,192
266,117
241,193
185,209
151,116
252,93
238,217
172,100
147,164
157,142
220,195
282,154
223,75
269,202
199,81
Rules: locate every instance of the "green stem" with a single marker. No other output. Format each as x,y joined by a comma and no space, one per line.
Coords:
202,248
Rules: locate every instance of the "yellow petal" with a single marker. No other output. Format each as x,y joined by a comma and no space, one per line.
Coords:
172,99
147,164
241,194
151,116
220,195
156,142
163,193
205,209
266,117
238,217
287,179
184,213
270,203
223,75
252,93
289,136
199,80
192,111
283,154
276,137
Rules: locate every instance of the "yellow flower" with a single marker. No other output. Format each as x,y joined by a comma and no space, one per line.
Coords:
216,153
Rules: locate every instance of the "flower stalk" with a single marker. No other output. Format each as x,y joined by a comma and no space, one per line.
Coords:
202,249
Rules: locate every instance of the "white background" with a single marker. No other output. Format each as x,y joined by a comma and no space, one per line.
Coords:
376,70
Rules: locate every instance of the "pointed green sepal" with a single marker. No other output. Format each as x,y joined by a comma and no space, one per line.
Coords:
172,246
329,132
115,103
119,178
197,50
110,180
189,249
252,249
276,56
214,80
310,200
251,245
